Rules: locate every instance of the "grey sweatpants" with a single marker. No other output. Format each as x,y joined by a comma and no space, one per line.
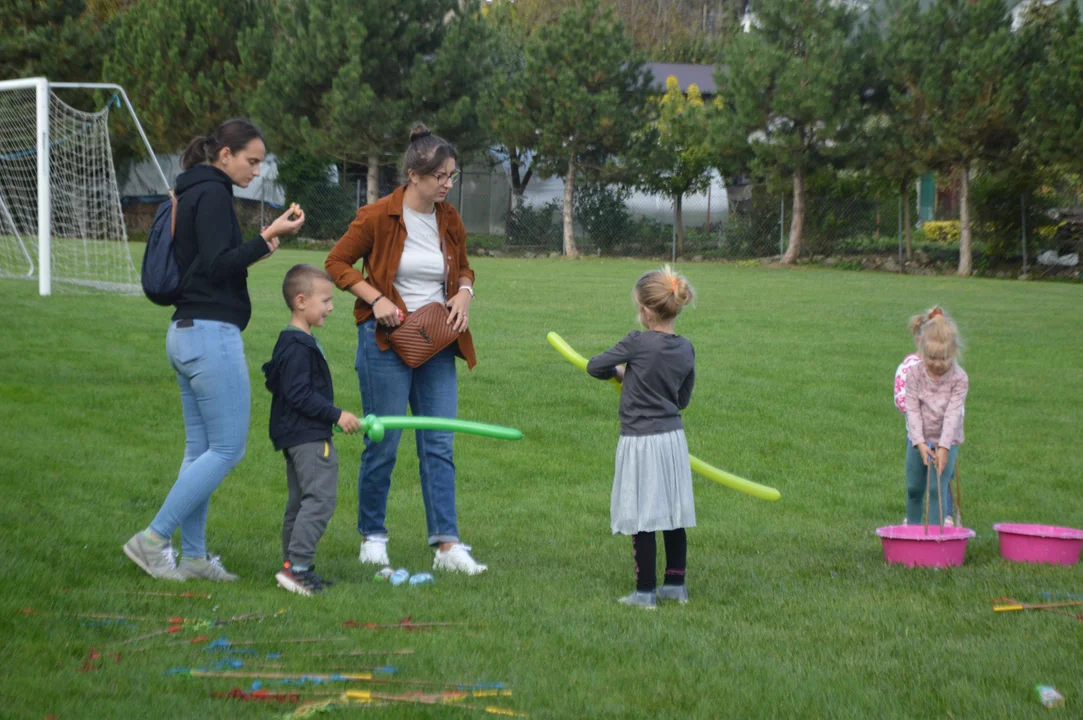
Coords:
312,478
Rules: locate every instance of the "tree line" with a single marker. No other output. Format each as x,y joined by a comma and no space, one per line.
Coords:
886,90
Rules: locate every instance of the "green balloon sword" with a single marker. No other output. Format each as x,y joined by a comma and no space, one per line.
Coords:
374,426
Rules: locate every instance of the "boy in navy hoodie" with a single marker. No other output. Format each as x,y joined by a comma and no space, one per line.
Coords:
302,413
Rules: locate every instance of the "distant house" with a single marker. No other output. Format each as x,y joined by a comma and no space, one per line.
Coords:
702,76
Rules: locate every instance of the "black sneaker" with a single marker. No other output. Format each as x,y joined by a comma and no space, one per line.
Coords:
302,583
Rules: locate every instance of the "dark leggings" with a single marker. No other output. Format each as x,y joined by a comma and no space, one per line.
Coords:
645,554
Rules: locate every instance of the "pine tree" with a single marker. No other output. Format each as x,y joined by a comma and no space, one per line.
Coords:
508,107
62,40
590,98
179,62
793,87
897,142
962,73
1054,112
348,81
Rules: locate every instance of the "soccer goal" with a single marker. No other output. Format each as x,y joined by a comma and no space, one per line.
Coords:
60,215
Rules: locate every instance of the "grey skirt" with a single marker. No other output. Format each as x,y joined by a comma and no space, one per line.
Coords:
652,484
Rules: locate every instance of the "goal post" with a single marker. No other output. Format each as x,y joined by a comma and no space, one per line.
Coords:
58,189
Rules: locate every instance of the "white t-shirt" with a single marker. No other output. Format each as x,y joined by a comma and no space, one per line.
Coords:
420,277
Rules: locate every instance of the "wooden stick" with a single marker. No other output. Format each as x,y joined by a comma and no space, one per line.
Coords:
412,625
194,641
202,596
103,616
148,636
352,677
365,696
958,494
363,677
940,498
1043,606
349,653
286,642
928,479
279,665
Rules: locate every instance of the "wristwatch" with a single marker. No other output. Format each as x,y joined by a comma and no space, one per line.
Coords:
469,289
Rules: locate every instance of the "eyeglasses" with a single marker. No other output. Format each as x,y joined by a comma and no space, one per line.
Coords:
442,177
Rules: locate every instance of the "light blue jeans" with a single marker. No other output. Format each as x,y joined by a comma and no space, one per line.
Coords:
216,399
387,385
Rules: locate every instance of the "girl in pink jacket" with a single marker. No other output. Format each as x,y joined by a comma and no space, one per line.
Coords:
935,392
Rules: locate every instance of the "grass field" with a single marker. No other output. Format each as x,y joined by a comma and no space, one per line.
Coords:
793,612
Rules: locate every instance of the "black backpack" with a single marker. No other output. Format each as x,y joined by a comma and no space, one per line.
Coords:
162,274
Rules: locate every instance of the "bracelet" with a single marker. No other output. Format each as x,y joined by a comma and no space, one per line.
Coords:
373,303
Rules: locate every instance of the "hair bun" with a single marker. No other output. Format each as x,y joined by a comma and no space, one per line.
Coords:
419,131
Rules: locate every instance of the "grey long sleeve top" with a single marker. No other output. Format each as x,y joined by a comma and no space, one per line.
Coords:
660,372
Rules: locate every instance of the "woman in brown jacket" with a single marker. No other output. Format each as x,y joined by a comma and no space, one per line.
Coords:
413,245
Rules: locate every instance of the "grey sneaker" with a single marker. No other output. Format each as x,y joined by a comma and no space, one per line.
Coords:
673,592
155,558
645,600
208,568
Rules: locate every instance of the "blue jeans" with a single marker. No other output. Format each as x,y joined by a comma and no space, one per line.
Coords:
216,399
916,477
387,385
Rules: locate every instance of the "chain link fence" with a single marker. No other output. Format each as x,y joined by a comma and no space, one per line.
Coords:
847,221
737,222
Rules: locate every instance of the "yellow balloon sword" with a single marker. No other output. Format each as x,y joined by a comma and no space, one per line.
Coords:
708,471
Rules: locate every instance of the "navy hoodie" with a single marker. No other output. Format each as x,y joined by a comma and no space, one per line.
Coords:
302,397
211,251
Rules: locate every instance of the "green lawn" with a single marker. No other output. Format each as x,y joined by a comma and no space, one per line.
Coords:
793,612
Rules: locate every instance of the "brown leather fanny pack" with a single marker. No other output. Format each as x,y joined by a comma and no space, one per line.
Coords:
424,333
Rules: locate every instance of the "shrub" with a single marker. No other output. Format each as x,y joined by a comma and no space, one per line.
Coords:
601,211
329,208
536,226
942,231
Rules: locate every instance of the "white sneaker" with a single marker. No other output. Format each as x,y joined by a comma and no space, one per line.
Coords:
458,559
949,521
374,552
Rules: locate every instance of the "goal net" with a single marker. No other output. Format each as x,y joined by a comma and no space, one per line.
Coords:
60,215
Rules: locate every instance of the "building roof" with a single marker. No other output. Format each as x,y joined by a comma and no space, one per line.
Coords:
686,73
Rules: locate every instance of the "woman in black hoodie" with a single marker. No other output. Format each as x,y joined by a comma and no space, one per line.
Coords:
204,342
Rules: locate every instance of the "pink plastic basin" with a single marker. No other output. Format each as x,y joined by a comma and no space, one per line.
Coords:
910,545
1040,543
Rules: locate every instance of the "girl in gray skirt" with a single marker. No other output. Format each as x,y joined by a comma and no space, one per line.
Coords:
652,483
